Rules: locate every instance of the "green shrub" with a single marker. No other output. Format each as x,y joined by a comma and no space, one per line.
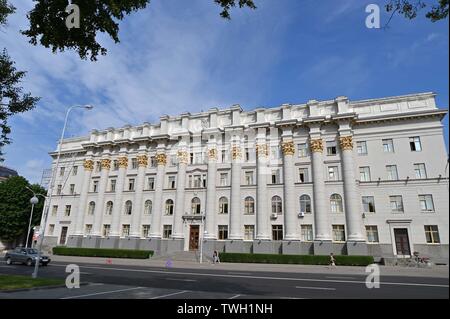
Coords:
295,259
101,252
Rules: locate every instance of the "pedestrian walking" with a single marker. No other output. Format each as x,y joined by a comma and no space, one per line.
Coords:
332,260
216,259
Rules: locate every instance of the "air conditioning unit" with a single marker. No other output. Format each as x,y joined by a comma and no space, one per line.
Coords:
301,214
274,216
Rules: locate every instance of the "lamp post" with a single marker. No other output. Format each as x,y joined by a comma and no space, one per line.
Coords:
34,200
50,189
201,237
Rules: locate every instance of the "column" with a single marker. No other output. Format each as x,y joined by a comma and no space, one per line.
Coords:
183,158
353,215
118,205
290,214
161,160
262,216
88,168
137,201
235,213
211,202
321,202
105,165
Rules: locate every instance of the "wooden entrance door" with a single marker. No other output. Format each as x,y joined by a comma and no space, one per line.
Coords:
402,242
194,237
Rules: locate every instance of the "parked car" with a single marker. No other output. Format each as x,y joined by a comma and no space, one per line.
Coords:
25,256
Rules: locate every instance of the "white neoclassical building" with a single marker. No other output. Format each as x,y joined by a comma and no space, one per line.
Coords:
349,177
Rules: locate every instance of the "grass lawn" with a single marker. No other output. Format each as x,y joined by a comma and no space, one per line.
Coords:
9,282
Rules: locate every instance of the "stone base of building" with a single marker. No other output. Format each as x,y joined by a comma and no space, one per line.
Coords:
297,248
323,247
266,247
74,241
357,248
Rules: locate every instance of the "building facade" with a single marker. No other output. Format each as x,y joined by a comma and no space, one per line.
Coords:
6,172
349,177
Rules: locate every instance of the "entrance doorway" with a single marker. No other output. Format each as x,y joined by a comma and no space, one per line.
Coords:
402,242
194,237
62,238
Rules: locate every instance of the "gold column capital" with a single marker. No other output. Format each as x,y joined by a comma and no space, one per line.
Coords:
236,152
183,157
123,162
346,143
88,165
105,164
212,154
288,148
262,150
316,145
161,159
142,160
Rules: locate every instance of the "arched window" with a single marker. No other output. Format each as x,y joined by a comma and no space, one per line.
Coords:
249,206
148,207
223,205
305,204
277,206
336,203
128,207
169,207
91,210
195,206
109,208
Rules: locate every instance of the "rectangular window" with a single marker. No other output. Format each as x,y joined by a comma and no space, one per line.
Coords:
275,152
277,232
145,231
306,233
106,230
223,179
361,148
364,174
249,178
198,158
333,173
338,233
224,156
95,186
388,145
223,232
331,148
51,229
368,204
249,232
396,203
59,190
432,234
303,175
392,174
372,234
134,163
125,230
88,229
131,184
204,180
112,185
420,171
167,231
54,210
62,170
426,203
172,182
197,181
303,150
414,143
72,189
173,160
152,161
67,210
151,183
276,176
98,166
75,170
115,165
247,154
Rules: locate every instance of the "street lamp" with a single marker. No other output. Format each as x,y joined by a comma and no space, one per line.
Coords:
50,189
202,233
33,201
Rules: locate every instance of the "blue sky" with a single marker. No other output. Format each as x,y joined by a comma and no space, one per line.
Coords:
174,57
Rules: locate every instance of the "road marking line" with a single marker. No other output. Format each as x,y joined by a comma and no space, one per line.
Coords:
239,273
175,279
175,293
336,277
267,278
317,288
102,293
234,297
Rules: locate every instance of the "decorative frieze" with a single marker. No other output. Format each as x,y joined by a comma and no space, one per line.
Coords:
316,145
183,157
288,148
105,164
236,152
123,162
262,150
161,159
346,143
88,165
212,154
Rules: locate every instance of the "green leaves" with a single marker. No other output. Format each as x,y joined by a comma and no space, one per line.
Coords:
410,8
228,4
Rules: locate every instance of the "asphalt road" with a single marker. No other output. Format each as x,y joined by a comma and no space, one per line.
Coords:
131,282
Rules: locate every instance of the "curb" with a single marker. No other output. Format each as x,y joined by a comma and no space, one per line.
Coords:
38,288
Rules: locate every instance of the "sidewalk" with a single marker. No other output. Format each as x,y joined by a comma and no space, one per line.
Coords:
435,271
